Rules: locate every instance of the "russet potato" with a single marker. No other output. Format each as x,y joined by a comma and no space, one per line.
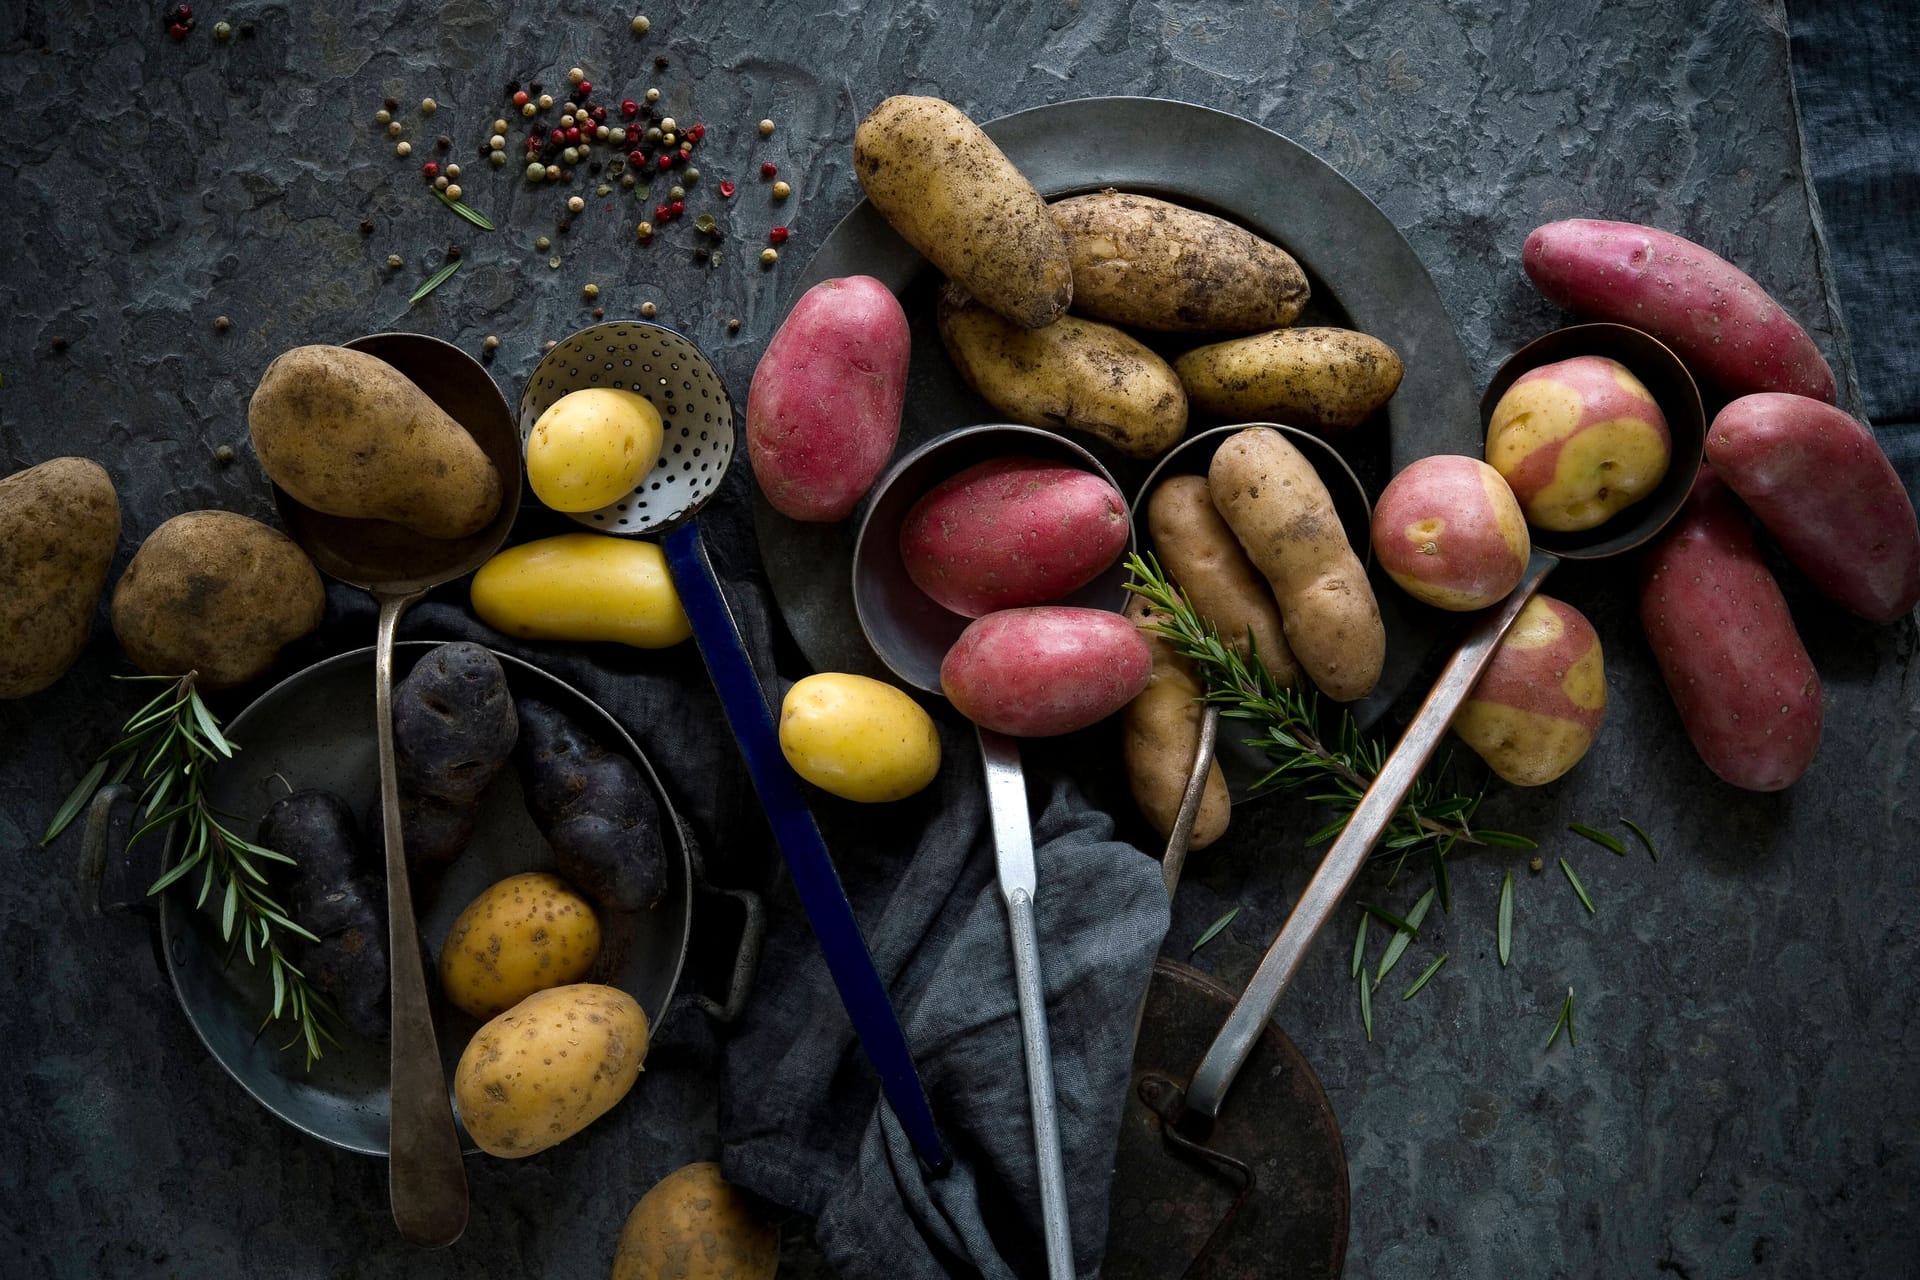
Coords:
59,526
1314,377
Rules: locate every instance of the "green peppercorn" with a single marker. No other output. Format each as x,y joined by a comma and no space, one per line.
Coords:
536,171
221,31
641,25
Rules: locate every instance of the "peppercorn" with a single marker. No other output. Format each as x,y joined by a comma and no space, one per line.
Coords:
491,343
653,95
497,158
570,156
59,344
690,176
766,128
246,31
586,87
576,204
617,136
395,262
768,168
769,256
726,190
528,110
648,310
591,291
555,264
603,190
663,162
678,208
454,252
1536,865
573,133
442,183
696,133
562,225
627,183
496,143
366,228
430,168
404,150
641,25
533,87
781,191
221,31
520,98
678,193
443,142
221,324
733,326
601,133
644,231
777,236
553,173
543,244
393,129
660,62
575,75
383,116
700,256
546,102
391,104
428,106
453,172
536,171
669,138
453,192
224,454
653,135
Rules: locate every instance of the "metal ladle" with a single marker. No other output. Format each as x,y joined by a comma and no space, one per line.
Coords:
426,1179
911,634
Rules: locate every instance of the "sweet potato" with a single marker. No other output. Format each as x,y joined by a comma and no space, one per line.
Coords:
1824,490
1034,673
823,412
1712,313
1720,630
1010,532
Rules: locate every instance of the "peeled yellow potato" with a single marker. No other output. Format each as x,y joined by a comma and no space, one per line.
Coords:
549,1067
524,934
582,586
857,738
591,447
694,1226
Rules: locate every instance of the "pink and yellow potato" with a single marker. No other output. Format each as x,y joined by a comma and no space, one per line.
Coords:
1010,532
1035,673
1540,701
1578,441
1450,532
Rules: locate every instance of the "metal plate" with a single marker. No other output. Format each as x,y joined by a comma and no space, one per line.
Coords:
1363,273
316,729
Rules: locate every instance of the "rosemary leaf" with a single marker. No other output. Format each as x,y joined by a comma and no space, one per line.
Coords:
1440,851
1574,880
1565,1020
1504,839
76,801
1421,981
1645,839
435,280
1211,932
227,910
1506,919
1387,917
1398,947
1599,837
1366,1006
173,873
279,985
474,216
208,727
1360,945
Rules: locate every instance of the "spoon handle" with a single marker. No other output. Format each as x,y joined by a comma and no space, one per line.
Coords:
1349,853
801,844
426,1179
1019,879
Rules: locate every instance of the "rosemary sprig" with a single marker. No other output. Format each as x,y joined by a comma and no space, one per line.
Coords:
171,740
435,280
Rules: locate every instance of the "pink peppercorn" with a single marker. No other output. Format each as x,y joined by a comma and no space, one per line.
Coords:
663,212
726,190
558,137
177,31
636,159
584,88
698,132
777,236
768,168
629,108
430,169
679,207
573,133
520,99
664,162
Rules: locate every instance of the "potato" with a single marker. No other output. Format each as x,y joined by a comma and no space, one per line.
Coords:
59,527
1206,562
1159,733
1301,377
1448,530
1073,375
1149,264
1745,687
215,593
1539,703
591,447
952,194
1012,531
1578,441
582,586
823,413
1052,669
549,1067
595,809
1277,507
524,934
453,728
857,738
694,1226
348,434
340,895
1709,311
1824,490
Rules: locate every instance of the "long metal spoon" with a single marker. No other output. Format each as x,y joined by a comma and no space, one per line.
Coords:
426,1178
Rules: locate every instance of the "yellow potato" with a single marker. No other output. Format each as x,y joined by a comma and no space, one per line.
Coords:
694,1226
524,934
857,738
582,586
952,194
1205,561
59,527
1160,730
1302,377
1277,506
549,1067
348,434
591,447
1075,374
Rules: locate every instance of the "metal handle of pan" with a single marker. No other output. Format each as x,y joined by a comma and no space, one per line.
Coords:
804,848
1369,820
753,937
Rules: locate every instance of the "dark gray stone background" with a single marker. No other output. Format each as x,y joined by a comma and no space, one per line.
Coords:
1742,1097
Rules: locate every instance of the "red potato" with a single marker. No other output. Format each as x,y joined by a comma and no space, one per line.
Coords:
1704,307
1540,701
1034,673
1010,532
823,413
1824,490
1450,532
1720,630
1579,440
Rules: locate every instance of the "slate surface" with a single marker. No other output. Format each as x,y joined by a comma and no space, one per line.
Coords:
1741,1099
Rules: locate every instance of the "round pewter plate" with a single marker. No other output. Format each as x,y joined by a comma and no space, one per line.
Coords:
1364,275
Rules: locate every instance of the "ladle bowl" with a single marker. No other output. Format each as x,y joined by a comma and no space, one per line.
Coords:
426,1178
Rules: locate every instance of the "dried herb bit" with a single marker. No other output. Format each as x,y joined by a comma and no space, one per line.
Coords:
172,740
472,215
1599,837
435,280
1574,880
1565,1020
1424,978
1506,919
1211,932
1643,837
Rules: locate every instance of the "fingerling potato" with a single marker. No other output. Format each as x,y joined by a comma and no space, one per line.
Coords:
1205,560
1159,733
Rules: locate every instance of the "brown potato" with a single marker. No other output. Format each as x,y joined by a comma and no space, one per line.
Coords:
1159,732
694,1226
1205,561
216,593
1150,264
1301,377
348,434
59,526
1280,511
952,194
1074,375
